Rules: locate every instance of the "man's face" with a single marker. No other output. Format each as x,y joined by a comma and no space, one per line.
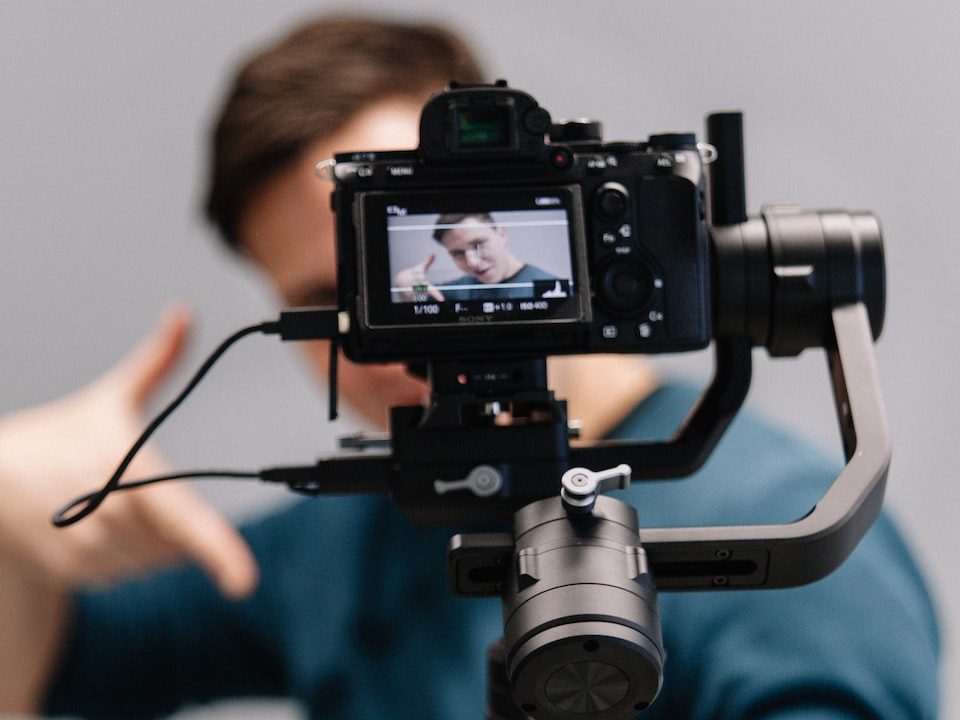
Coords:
479,250
288,230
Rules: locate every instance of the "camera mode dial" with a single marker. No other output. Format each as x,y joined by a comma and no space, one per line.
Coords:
673,141
579,130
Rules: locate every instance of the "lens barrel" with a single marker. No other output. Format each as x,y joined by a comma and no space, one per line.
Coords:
777,277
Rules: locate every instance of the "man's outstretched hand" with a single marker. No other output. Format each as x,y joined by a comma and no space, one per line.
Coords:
51,454
57,451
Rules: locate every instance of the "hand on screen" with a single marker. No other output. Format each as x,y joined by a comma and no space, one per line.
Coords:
415,278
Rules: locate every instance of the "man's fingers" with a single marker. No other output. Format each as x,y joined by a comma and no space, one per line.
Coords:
183,519
114,546
146,366
431,290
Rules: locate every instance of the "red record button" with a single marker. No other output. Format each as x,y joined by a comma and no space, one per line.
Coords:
561,158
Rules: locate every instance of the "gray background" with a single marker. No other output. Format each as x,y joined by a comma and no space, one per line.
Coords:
103,128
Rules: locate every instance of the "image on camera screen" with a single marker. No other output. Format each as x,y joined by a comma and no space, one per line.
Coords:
453,258
477,258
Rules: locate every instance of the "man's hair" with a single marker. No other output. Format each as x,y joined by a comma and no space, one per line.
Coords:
309,85
447,219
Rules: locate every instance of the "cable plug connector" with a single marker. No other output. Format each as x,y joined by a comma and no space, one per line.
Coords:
319,323
314,323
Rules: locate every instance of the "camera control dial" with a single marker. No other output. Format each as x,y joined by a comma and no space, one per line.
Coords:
626,285
673,141
579,130
611,200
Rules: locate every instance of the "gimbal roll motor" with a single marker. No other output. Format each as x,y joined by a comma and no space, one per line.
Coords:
581,629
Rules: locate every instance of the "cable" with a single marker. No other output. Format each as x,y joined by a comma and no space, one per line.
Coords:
94,499
299,324
60,521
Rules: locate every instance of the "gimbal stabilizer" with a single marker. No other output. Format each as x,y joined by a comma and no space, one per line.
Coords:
582,635
581,631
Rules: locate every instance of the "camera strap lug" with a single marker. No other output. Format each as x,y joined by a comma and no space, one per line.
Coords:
708,153
325,170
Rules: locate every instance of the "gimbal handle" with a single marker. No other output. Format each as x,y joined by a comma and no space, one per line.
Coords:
745,556
806,550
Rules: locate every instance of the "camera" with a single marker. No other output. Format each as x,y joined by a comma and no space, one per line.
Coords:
506,235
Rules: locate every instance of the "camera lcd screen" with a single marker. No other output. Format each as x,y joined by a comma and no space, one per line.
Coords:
474,257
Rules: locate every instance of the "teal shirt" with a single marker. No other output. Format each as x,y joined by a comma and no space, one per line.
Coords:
353,617
527,274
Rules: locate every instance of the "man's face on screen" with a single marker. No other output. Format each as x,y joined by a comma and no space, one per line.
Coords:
479,250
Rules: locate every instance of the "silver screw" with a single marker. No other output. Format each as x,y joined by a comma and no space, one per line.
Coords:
580,480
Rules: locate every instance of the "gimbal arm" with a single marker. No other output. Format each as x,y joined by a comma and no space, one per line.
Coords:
738,557
813,546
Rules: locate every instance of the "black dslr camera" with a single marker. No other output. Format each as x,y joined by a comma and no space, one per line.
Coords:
539,247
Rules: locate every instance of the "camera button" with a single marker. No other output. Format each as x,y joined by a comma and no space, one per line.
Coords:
596,164
536,120
405,170
561,158
610,332
611,200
